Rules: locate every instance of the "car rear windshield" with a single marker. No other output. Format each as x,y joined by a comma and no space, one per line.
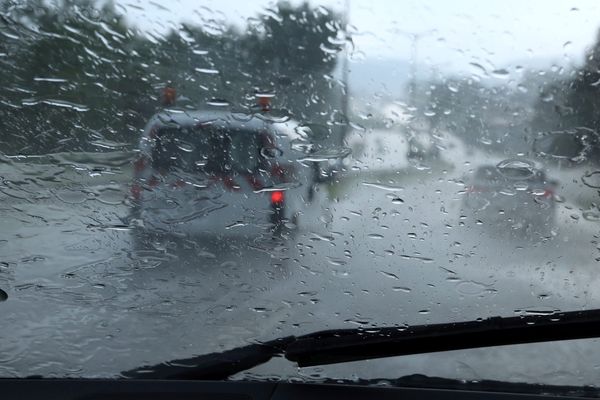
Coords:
211,150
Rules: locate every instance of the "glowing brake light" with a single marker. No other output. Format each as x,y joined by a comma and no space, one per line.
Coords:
277,197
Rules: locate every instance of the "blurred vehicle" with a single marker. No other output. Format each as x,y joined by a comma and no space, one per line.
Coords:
217,172
513,194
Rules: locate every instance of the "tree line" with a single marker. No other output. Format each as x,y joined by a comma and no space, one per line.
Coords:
76,76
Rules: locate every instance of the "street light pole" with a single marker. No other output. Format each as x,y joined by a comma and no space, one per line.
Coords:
415,38
412,95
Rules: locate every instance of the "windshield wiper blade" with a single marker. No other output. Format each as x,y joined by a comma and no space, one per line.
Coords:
345,345
338,346
213,366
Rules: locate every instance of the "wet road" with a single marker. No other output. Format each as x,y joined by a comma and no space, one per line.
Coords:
392,249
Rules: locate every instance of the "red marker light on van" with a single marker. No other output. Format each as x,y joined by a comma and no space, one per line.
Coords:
136,191
169,95
277,197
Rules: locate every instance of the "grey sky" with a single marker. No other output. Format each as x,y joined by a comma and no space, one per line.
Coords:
493,34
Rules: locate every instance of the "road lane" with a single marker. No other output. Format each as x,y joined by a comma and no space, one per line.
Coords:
394,250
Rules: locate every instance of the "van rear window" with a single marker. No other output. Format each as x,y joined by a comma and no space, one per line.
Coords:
211,150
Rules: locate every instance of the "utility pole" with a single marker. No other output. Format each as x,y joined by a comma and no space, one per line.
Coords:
345,73
414,46
414,148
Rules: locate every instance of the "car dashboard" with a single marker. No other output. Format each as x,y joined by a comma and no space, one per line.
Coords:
84,389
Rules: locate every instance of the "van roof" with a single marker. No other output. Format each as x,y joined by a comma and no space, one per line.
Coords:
223,119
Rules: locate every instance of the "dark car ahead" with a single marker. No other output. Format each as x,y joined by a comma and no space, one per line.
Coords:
511,195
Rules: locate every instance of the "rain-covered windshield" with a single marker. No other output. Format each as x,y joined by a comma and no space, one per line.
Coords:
369,164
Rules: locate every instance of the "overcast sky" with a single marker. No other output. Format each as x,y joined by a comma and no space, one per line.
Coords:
493,34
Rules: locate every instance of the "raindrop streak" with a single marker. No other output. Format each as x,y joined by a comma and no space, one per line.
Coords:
207,71
390,275
279,187
260,309
479,69
383,187
56,103
541,312
218,103
420,258
3,295
52,80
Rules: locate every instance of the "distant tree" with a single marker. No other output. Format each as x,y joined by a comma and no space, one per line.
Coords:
77,77
294,51
567,103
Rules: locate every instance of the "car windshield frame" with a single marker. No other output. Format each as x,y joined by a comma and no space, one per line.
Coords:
198,180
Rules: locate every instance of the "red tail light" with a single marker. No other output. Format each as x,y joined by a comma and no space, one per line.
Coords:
277,198
153,181
136,191
139,165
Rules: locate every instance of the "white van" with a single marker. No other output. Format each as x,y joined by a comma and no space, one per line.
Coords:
219,173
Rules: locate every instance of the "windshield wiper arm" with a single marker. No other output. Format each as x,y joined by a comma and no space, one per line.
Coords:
345,345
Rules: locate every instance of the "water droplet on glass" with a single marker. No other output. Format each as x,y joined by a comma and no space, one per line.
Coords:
516,168
471,288
591,215
592,179
547,97
571,145
275,115
501,73
328,154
